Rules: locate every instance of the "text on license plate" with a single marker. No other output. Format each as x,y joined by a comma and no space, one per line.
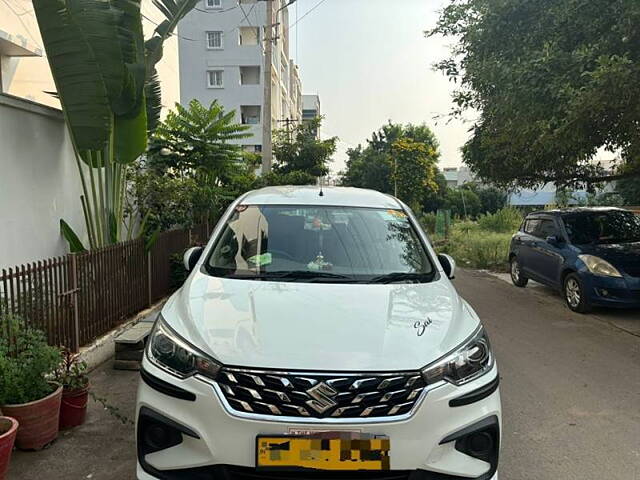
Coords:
324,451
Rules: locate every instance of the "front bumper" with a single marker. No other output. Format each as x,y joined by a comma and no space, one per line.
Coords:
218,444
612,292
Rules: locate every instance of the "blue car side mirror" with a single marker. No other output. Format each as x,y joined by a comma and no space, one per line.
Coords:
554,240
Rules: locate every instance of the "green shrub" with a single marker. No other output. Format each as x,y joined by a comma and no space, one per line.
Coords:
177,273
25,362
475,248
428,221
506,220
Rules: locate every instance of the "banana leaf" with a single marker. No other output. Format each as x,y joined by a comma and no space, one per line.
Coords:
79,83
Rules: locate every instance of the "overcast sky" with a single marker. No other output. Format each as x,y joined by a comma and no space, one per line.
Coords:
370,62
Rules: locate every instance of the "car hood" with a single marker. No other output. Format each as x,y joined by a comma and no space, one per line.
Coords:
620,255
331,327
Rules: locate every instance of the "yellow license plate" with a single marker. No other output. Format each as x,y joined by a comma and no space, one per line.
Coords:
324,451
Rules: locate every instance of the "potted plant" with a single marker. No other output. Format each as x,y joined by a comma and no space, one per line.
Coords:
26,394
8,429
72,375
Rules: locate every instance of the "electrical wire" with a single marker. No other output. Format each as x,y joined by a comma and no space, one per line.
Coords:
171,34
246,16
303,16
19,17
225,10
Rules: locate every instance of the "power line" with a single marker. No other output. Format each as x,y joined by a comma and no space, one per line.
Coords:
225,10
303,16
23,25
246,16
171,34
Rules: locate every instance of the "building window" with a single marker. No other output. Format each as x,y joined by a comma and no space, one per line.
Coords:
250,114
250,75
214,40
213,3
214,78
249,36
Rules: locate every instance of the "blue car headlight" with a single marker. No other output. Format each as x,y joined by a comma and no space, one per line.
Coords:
599,266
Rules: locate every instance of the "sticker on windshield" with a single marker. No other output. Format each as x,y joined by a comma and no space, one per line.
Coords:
394,215
261,260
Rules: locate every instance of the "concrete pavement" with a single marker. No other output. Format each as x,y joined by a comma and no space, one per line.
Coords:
570,390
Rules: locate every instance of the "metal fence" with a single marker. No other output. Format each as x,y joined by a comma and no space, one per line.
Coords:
78,297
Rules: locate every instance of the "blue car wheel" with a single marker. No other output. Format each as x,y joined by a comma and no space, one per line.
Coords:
575,295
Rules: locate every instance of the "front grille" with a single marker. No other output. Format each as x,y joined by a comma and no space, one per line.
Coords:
321,395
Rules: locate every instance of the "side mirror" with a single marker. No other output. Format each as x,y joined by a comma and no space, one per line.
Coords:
554,240
191,257
448,264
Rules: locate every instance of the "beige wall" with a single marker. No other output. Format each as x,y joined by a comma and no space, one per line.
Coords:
30,77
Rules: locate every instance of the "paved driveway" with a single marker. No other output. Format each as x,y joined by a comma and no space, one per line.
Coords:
570,388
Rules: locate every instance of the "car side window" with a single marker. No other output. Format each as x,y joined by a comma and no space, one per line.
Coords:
547,228
531,226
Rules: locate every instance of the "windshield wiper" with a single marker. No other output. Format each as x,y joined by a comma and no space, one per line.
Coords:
403,277
296,275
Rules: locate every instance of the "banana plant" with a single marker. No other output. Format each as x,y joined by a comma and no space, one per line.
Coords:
106,80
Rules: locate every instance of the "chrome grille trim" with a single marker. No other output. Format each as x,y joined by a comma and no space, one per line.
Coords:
287,393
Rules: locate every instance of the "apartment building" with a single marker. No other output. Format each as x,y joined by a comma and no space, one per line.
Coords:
311,109
222,58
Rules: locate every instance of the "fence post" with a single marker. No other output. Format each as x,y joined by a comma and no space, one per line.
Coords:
74,299
149,278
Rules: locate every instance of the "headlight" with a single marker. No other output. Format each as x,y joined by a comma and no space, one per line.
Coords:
470,361
174,355
598,266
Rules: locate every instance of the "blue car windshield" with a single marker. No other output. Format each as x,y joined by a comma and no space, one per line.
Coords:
328,244
602,227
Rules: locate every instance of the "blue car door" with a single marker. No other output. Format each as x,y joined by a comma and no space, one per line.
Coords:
524,244
546,257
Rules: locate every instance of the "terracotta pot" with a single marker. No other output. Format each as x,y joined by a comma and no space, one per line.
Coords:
73,409
8,430
38,420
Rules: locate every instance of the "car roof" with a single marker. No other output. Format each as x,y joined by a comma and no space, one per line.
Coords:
567,211
311,195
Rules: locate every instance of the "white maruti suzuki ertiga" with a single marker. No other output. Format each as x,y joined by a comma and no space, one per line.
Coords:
318,336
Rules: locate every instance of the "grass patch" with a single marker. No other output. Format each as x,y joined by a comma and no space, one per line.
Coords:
482,244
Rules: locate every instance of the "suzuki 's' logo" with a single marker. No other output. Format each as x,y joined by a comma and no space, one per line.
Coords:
321,397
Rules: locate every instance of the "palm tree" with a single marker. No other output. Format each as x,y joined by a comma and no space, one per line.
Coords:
196,142
106,81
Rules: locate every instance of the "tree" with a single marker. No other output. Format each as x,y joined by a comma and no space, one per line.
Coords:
462,202
491,198
368,168
192,170
105,78
300,156
414,171
629,191
405,155
553,82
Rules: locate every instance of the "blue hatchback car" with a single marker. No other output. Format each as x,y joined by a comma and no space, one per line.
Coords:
591,255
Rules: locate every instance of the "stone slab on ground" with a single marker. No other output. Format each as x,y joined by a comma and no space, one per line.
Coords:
101,449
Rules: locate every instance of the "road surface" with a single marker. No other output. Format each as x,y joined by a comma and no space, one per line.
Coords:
570,390
570,384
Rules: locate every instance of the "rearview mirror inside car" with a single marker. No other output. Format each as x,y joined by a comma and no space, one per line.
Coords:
448,265
191,257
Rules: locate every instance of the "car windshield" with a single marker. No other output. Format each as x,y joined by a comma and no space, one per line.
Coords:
320,244
603,227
